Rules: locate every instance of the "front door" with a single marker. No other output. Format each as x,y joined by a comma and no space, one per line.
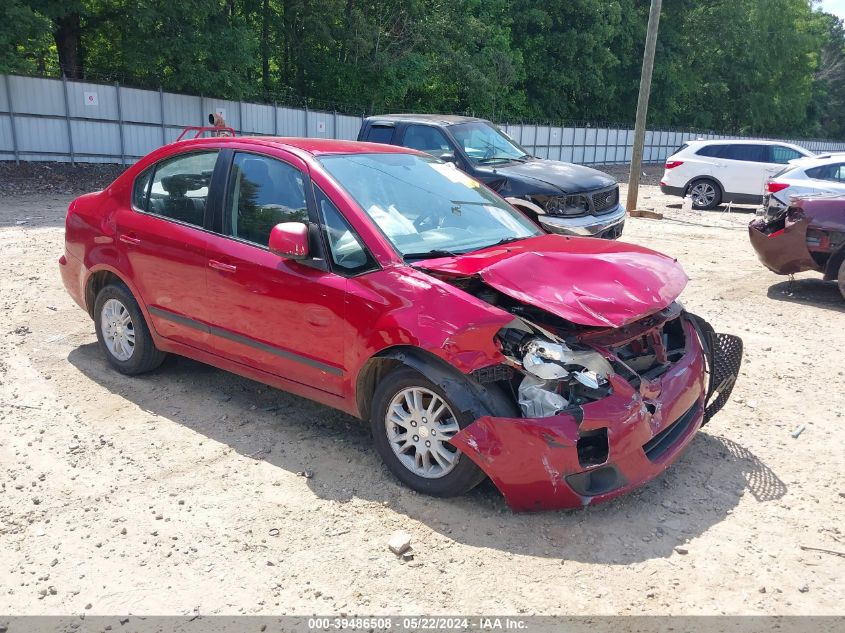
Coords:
278,315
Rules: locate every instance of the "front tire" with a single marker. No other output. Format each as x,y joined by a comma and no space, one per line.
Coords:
411,421
705,193
123,333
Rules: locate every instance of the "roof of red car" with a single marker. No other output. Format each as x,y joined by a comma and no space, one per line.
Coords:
315,146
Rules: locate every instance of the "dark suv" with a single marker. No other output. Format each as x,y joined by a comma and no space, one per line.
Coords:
561,197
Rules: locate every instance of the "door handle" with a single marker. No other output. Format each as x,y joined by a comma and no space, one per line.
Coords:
128,239
226,268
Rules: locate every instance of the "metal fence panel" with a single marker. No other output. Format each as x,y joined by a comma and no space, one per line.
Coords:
140,106
348,127
50,119
44,136
6,145
95,138
291,122
92,101
140,140
33,95
258,119
182,110
319,124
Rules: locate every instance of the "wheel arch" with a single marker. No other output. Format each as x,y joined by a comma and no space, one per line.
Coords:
466,393
99,278
831,269
704,177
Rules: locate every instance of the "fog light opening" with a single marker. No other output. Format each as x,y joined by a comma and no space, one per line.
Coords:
592,448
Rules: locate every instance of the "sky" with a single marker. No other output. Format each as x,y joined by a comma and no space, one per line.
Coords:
837,7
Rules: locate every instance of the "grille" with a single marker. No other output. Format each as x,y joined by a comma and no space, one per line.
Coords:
604,201
726,359
657,446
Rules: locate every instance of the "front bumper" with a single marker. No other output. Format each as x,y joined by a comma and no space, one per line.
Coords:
607,225
539,463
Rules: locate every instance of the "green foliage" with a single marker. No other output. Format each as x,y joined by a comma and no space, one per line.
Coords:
753,66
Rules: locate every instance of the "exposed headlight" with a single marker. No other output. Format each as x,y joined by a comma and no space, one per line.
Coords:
571,205
553,361
550,366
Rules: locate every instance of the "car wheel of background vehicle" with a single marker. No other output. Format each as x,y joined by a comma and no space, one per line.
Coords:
122,332
841,279
412,420
705,194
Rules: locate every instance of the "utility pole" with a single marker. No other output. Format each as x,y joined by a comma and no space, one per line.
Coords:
642,104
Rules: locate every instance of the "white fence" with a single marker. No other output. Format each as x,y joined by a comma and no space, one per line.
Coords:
59,120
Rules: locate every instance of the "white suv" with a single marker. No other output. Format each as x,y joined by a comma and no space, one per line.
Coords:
819,175
713,172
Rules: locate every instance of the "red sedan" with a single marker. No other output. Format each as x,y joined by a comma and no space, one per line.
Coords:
390,285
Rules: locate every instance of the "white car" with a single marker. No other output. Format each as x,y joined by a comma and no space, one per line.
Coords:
713,172
819,175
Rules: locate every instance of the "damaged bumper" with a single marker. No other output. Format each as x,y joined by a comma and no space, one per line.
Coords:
610,446
782,246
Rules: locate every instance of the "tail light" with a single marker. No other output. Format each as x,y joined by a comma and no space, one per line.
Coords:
671,164
774,187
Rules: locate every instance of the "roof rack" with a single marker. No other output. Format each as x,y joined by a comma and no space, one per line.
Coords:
199,130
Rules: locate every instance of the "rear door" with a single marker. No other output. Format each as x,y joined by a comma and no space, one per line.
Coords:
828,178
278,315
744,168
164,237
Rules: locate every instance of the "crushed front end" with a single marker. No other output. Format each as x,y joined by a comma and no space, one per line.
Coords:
604,410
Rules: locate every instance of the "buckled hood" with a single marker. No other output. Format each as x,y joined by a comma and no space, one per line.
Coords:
587,281
540,175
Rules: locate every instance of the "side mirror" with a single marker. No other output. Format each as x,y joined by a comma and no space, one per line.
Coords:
446,156
289,240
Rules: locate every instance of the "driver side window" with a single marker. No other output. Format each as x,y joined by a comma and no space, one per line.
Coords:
262,192
349,256
426,139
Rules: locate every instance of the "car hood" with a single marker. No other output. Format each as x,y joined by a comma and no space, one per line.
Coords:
588,281
567,177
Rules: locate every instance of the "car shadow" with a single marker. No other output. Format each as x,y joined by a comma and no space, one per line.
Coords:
809,292
298,435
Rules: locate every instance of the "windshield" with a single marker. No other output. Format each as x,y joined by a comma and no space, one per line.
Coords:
426,207
486,145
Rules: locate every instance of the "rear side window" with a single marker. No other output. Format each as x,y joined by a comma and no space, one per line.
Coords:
380,134
712,151
141,189
782,155
262,192
747,153
179,189
835,172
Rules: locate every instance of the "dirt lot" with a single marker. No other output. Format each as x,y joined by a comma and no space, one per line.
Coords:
180,491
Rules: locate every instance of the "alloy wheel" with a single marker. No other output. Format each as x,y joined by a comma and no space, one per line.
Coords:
419,424
118,329
703,194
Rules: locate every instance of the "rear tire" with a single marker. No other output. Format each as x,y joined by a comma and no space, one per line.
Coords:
123,333
705,193
841,279
402,431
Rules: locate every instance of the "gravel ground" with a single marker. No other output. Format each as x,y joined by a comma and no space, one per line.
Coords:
183,492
